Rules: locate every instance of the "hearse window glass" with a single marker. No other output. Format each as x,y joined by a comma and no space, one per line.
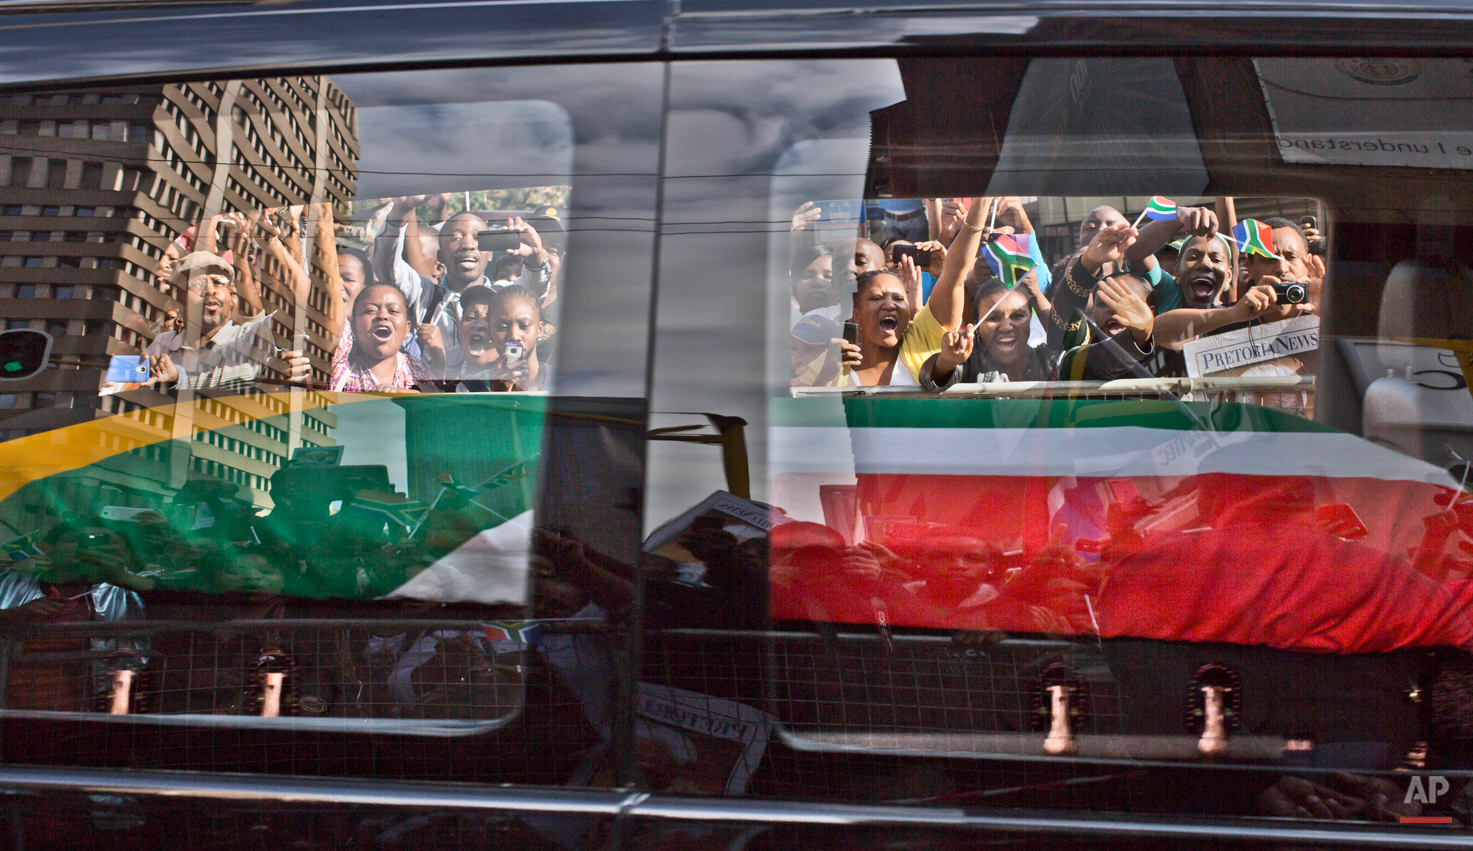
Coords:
1089,416
298,382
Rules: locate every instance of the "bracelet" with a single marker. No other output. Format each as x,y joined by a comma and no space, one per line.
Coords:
973,228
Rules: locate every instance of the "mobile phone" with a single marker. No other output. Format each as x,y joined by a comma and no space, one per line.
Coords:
513,353
922,258
1317,245
498,239
851,332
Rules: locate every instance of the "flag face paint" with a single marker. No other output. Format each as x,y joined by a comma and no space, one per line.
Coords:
1113,518
1009,258
1161,209
1254,237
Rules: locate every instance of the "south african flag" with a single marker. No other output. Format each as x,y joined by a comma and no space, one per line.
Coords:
1009,259
1160,209
505,634
1255,237
20,549
1200,521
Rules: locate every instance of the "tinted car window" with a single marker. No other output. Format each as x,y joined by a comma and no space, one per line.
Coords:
1156,510
305,392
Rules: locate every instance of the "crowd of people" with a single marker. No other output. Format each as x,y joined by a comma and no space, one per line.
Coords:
932,313
433,301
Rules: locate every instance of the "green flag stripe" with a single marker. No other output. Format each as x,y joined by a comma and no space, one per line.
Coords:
1031,413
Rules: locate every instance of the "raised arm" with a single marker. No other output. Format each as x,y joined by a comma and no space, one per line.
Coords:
1176,327
947,299
414,248
397,249
325,252
1072,293
247,289
1010,211
298,282
1196,221
536,272
1041,305
204,235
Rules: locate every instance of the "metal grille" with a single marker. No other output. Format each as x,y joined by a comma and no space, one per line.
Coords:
422,676
864,683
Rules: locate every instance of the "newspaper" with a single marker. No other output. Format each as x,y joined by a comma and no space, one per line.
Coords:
688,743
1289,347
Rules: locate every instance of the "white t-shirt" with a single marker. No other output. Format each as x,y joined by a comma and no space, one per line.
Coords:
899,377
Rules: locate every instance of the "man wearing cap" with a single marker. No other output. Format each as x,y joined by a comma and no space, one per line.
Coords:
811,352
214,350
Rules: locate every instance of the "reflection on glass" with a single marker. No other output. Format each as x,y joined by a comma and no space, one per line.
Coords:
269,397
1066,420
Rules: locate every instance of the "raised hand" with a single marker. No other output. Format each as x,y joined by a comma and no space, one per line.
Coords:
431,345
1108,246
803,216
161,370
956,347
910,276
267,226
1197,221
407,202
1128,307
938,256
1011,210
439,205
850,355
952,216
531,242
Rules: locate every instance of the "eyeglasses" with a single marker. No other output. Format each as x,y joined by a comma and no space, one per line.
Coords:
215,282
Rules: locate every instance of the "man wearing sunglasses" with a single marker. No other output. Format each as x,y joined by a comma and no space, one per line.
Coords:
214,350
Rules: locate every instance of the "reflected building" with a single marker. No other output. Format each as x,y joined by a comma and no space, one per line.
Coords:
94,186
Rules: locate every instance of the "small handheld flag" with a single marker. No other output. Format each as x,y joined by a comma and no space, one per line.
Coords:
1159,210
507,636
1254,237
21,549
1009,259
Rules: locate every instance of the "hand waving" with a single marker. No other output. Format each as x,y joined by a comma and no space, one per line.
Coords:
1129,308
803,216
1108,246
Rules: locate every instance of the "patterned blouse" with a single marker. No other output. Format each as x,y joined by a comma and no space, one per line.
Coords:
351,377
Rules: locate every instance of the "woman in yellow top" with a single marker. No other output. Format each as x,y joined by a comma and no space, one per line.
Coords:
897,335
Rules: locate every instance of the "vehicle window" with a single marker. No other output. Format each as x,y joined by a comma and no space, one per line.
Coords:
1074,437
286,385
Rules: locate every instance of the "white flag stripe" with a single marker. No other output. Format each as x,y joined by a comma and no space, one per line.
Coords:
1122,451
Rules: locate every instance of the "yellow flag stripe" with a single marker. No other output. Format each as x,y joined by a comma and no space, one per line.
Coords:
48,453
